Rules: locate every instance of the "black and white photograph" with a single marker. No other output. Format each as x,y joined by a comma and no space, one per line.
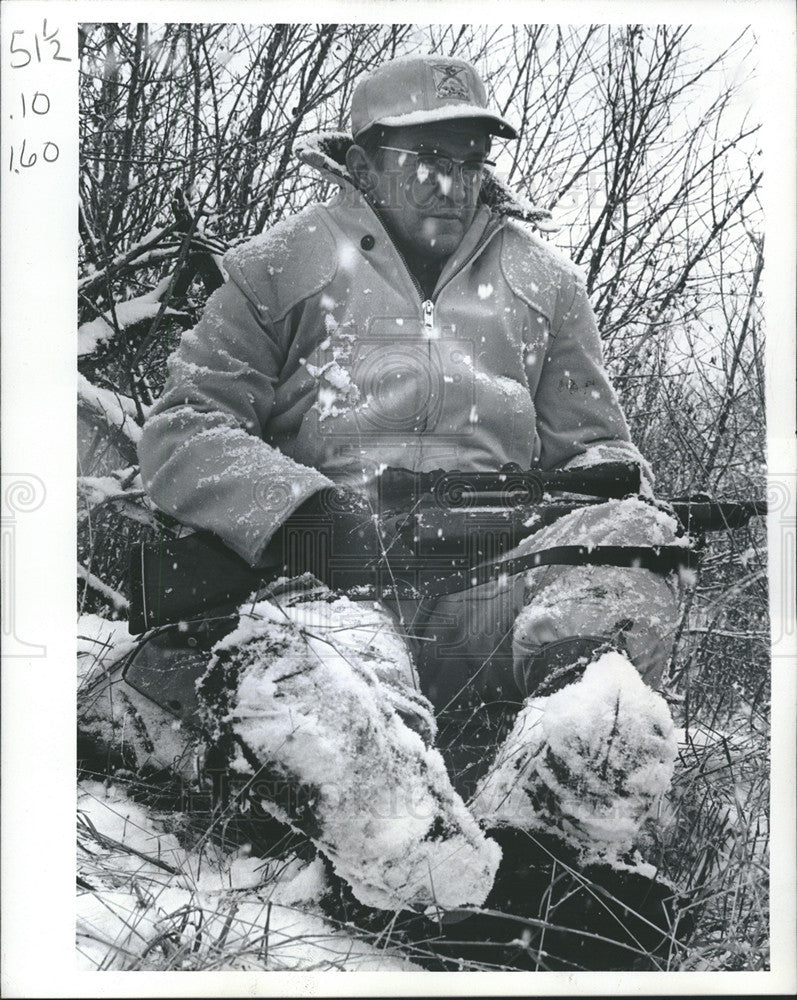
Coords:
434,526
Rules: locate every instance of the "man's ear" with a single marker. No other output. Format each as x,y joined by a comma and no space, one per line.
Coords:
360,168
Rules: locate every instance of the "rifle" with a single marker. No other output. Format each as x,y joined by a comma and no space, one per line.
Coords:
454,530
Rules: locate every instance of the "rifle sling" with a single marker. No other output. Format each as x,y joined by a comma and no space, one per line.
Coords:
202,578
662,559
413,579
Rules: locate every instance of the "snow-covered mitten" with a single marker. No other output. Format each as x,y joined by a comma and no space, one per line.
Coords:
587,760
315,704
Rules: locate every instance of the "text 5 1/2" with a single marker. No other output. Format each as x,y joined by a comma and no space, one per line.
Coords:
44,46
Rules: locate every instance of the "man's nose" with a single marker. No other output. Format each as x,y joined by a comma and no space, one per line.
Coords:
453,185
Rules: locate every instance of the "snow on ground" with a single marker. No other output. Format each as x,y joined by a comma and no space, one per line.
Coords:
99,643
154,905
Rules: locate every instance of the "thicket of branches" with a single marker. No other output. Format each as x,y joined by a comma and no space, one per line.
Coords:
642,141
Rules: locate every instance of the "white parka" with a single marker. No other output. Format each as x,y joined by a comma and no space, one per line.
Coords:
320,361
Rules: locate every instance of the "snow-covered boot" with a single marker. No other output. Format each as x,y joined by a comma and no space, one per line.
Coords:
313,702
311,706
591,752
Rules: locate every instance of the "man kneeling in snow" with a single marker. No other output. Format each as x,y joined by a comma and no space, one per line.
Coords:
415,322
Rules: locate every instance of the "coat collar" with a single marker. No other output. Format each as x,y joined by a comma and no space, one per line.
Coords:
360,222
326,152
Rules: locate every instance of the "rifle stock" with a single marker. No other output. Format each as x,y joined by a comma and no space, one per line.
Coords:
175,578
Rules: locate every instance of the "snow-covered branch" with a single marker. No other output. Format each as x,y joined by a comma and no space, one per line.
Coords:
148,242
101,331
119,602
122,490
118,410
120,483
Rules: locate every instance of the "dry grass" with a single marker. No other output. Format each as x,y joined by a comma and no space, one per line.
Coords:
716,844
715,841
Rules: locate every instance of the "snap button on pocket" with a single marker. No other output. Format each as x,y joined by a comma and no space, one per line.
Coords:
367,242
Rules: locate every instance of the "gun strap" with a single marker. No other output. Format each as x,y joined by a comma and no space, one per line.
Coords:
662,559
215,578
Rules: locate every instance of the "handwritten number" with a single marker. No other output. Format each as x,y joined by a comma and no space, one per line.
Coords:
19,51
31,161
24,55
54,41
40,104
38,94
50,153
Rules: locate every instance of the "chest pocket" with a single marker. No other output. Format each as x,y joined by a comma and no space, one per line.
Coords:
532,271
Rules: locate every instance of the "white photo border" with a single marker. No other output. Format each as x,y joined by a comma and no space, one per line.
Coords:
39,268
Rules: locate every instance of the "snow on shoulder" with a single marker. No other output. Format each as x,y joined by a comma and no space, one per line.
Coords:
286,264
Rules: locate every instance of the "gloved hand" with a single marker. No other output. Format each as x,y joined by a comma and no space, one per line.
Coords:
333,533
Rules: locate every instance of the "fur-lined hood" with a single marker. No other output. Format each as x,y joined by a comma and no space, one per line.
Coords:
326,152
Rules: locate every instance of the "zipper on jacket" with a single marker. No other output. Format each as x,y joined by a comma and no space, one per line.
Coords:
403,260
427,305
485,236
428,315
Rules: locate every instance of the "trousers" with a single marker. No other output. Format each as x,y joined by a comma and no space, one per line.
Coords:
475,643
470,648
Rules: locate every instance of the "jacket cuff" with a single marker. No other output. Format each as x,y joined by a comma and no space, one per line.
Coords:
298,496
615,451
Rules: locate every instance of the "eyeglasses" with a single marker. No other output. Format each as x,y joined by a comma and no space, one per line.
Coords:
431,166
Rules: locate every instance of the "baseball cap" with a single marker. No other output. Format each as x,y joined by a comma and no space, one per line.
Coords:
414,90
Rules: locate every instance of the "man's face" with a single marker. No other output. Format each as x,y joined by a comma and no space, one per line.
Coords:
429,212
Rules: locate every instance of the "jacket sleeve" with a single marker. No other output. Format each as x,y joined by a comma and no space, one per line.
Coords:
203,459
579,418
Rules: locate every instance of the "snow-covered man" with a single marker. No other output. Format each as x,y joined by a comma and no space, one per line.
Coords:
414,321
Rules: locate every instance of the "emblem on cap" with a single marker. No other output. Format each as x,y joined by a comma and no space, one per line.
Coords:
449,81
